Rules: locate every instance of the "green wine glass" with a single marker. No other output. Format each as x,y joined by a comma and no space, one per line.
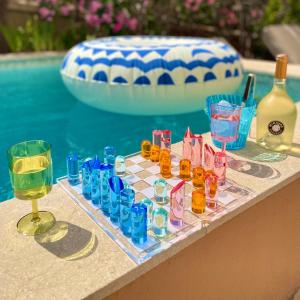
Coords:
30,168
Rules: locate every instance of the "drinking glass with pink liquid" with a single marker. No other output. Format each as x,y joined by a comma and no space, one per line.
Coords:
225,122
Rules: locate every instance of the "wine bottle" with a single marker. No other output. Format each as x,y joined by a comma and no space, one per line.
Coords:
276,112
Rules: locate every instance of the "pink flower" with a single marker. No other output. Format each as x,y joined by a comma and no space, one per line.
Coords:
66,9
211,2
46,13
81,6
232,18
132,24
117,27
93,20
146,3
256,13
106,18
53,2
110,7
121,17
95,6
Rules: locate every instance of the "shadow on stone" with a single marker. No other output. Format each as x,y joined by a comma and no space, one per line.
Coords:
254,152
68,241
252,168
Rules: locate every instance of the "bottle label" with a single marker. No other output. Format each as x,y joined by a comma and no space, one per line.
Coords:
276,127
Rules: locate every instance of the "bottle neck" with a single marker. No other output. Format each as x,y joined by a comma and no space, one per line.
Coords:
279,84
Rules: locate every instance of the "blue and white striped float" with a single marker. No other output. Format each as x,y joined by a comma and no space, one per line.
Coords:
143,75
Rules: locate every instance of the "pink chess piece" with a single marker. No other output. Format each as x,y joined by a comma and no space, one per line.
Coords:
196,150
177,204
187,144
209,158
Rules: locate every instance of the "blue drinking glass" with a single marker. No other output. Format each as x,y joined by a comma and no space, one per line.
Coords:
139,223
73,168
106,171
127,200
116,186
95,182
246,117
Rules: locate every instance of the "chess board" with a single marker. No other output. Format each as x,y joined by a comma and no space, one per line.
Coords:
140,175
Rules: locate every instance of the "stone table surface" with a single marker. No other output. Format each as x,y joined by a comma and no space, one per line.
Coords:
85,260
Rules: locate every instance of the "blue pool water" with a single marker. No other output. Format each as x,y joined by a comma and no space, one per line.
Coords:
34,104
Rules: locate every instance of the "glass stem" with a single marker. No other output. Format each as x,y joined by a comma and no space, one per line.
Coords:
35,212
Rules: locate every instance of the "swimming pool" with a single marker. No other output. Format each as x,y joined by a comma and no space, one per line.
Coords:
34,104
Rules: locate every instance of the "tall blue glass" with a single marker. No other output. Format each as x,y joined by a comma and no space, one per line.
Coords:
106,171
247,114
139,223
109,155
95,182
127,200
86,179
73,168
116,186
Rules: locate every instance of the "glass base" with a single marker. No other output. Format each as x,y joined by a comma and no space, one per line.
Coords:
27,226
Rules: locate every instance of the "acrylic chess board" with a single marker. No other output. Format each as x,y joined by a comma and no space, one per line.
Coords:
141,174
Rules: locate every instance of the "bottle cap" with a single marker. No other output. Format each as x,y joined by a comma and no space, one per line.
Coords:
281,66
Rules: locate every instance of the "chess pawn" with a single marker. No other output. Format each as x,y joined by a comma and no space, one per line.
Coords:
220,166
198,177
149,205
211,190
160,191
165,163
160,222
187,147
120,165
109,153
185,169
154,153
145,148
198,200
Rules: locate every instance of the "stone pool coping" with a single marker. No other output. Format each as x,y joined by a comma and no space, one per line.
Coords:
73,268
251,65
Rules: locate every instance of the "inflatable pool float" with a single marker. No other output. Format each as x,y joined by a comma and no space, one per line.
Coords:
145,75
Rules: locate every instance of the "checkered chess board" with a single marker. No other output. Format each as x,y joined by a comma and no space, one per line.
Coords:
140,175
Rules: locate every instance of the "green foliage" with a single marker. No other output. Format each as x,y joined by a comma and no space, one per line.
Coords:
36,35
281,12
